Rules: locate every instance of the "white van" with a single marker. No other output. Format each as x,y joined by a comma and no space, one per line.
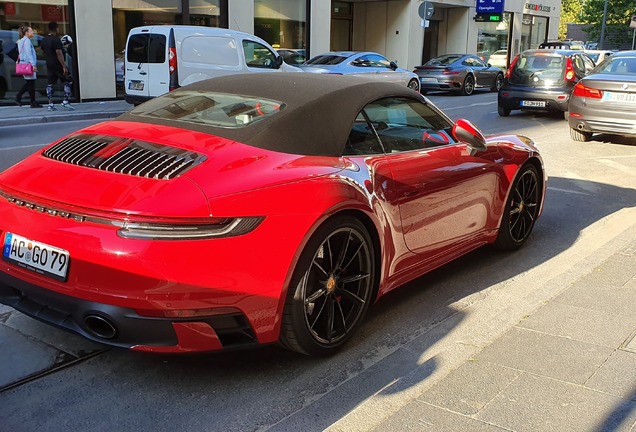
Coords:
162,58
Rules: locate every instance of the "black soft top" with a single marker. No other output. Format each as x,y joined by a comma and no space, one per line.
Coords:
316,120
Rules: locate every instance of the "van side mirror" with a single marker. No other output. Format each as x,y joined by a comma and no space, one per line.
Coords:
465,131
279,61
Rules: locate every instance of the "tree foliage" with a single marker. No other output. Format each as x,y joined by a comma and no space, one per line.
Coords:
570,14
617,30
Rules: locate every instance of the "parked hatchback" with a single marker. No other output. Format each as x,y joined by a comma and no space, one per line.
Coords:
542,80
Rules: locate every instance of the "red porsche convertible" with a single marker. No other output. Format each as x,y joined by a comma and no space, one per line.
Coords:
245,210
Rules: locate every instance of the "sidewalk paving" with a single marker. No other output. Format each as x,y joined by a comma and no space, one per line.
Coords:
15,115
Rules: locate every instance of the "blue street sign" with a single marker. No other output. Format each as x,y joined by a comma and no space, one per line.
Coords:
490,6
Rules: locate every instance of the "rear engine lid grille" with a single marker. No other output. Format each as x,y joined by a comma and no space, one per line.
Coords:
124,156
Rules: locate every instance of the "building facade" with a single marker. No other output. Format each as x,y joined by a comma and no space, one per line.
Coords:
393,28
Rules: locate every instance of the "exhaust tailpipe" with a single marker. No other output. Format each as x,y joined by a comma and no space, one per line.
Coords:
101,327
579,126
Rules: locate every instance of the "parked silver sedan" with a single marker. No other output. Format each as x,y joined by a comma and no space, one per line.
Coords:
366,64
459,73
604,101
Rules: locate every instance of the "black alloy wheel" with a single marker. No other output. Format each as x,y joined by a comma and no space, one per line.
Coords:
469,85
331,289
499,80
521,209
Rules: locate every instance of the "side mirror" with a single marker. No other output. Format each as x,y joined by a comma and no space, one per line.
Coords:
393,65
279,61
465,131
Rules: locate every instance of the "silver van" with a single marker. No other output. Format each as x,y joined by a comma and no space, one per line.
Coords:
162,58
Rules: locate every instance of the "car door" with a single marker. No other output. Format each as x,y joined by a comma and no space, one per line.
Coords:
484,74
442,193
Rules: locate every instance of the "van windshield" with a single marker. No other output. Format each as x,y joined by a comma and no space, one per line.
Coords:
538,70
208,108
146,48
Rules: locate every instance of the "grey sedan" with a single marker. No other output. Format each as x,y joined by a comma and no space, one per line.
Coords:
365,64
604,101
459,73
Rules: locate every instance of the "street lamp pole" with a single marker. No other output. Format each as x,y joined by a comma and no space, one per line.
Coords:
603,27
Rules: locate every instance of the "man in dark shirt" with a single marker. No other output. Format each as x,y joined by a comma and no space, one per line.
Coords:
56,69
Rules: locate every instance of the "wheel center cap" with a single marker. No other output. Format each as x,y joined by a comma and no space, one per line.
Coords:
521,206
331,284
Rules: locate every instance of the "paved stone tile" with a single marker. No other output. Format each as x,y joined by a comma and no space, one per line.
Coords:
470,387
419,416
21,356
601,297
546,355
582,324
617,376
615,271
64,341
535,403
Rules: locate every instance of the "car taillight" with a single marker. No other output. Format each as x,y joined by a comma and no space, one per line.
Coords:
450,72
582,90
512,66
569,70
172,67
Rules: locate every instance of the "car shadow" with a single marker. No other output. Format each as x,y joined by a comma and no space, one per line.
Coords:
274,389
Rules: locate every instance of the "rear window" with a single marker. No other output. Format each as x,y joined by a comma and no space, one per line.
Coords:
617,65
538,70
208,108
326,60
444,60
146,48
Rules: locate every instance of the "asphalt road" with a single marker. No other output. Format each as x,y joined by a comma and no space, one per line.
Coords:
592,189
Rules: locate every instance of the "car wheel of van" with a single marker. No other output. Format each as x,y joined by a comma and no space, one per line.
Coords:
521,209
503,112
469,85
331,288
580,136
499,79
414,85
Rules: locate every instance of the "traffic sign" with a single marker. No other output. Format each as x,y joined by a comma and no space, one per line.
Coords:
490,6
426,10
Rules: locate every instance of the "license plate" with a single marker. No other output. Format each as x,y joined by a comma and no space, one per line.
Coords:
428,79
619,97
36,256
534,104
135,85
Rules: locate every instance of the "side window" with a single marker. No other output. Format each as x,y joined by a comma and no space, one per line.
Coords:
258,56
407,124
363,61
378,61
362,139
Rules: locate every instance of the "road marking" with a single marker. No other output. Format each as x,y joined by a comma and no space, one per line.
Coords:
567,191
617,166
21,147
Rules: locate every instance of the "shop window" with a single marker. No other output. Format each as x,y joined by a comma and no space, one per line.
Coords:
492,38
534,31
281,23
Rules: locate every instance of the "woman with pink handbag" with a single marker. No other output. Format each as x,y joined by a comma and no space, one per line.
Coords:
27,56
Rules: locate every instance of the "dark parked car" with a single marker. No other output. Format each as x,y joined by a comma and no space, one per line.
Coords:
542,80
605,100
459,73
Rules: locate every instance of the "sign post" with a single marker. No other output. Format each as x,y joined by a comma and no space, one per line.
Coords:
425,11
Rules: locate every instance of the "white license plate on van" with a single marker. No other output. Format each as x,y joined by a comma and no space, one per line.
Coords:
135,85
35,256
533,104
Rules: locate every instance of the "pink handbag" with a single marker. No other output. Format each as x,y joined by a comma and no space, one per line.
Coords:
23,68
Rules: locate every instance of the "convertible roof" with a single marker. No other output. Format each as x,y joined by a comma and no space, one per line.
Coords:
317,118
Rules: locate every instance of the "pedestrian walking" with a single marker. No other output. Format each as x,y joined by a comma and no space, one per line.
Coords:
26,54
56,67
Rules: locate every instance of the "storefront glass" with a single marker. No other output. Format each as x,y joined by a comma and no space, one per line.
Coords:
282,23
534,31
36,15
492,38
